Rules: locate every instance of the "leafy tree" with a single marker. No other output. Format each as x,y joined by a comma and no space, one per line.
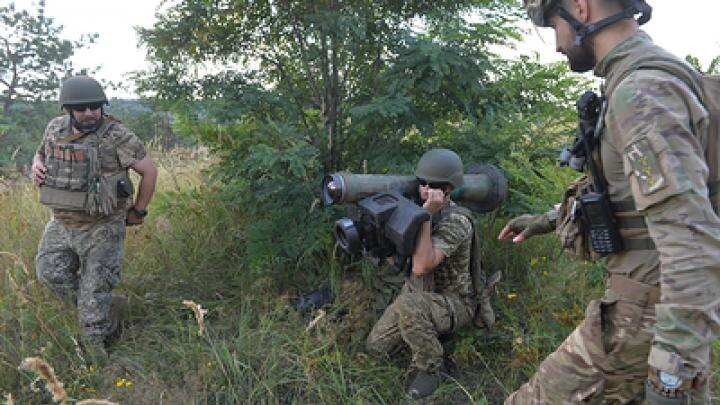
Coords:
287,91
33,57
713,67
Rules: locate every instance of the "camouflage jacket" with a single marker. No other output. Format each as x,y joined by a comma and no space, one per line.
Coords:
453,235
652,153
119,148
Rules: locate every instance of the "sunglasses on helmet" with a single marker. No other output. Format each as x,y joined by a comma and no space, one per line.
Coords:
432,184
83,107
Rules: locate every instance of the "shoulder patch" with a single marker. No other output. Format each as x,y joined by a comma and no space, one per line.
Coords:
645,166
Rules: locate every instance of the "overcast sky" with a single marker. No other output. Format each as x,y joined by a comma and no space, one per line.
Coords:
682,26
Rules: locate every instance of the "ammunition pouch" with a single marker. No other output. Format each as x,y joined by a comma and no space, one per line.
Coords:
74,181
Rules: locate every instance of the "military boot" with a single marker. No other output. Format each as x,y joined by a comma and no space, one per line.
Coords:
423,384
115,315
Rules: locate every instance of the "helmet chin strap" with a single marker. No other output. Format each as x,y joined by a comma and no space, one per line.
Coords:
632,7
87,128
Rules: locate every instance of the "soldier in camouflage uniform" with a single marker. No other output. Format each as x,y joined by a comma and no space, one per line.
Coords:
438,296
81,167
648,340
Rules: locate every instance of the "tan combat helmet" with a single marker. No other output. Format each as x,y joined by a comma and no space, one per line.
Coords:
441,166
540,12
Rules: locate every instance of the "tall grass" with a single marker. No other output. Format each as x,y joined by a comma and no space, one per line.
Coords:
256,348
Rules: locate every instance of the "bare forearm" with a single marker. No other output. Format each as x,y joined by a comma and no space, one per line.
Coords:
424,255
146,189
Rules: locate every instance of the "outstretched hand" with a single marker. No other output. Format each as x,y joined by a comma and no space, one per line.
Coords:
524,227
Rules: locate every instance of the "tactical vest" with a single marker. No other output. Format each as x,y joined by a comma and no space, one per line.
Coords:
75,179
483,285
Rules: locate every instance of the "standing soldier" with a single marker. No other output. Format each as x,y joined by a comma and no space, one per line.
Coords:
438,297
651,334
81,167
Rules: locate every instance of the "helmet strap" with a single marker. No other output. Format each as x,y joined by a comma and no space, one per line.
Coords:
584,31
87,129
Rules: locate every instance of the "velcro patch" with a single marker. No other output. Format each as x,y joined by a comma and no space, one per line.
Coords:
645,166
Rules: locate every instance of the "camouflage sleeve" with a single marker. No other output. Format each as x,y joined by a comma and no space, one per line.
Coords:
130,148
450,233
661,124
52,126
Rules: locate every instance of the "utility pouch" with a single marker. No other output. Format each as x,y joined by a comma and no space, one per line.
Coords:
67,176
571,229
125,188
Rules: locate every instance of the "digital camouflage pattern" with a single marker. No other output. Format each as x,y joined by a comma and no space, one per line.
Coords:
79,255
118,148
82,267
453,235
652,152
431,305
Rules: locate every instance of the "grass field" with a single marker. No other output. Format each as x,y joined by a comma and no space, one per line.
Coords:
255,348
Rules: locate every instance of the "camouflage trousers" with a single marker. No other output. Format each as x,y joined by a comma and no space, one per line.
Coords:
416,319
82,267
603,361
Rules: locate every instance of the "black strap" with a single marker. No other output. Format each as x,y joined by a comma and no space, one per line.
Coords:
635,222
639,244
583,31
623,206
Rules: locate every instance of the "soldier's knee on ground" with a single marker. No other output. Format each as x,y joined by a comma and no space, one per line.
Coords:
373,347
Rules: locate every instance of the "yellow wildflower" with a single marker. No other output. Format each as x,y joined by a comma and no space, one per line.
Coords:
512,296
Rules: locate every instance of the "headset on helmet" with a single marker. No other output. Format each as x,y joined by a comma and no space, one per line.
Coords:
539,10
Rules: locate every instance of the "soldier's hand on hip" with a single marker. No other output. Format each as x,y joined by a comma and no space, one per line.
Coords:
525,226
38,172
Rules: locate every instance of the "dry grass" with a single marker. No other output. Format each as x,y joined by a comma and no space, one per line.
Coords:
261,350
46,372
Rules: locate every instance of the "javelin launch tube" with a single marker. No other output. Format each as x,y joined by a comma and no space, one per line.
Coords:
484,187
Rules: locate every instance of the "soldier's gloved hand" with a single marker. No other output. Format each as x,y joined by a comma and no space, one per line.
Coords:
525,226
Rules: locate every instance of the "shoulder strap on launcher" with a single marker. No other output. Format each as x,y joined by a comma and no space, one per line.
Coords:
483,285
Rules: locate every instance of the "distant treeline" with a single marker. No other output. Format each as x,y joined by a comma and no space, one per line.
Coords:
22,128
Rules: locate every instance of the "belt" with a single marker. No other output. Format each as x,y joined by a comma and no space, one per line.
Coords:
634,290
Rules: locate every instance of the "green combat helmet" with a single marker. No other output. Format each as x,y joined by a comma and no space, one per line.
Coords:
81,90
441,166
540,12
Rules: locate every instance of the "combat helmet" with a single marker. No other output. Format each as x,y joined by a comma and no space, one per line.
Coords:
81,90
441,166
540,12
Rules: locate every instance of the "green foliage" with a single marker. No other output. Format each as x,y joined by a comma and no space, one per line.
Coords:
713,67
22,127
33,58
25,124
298,90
